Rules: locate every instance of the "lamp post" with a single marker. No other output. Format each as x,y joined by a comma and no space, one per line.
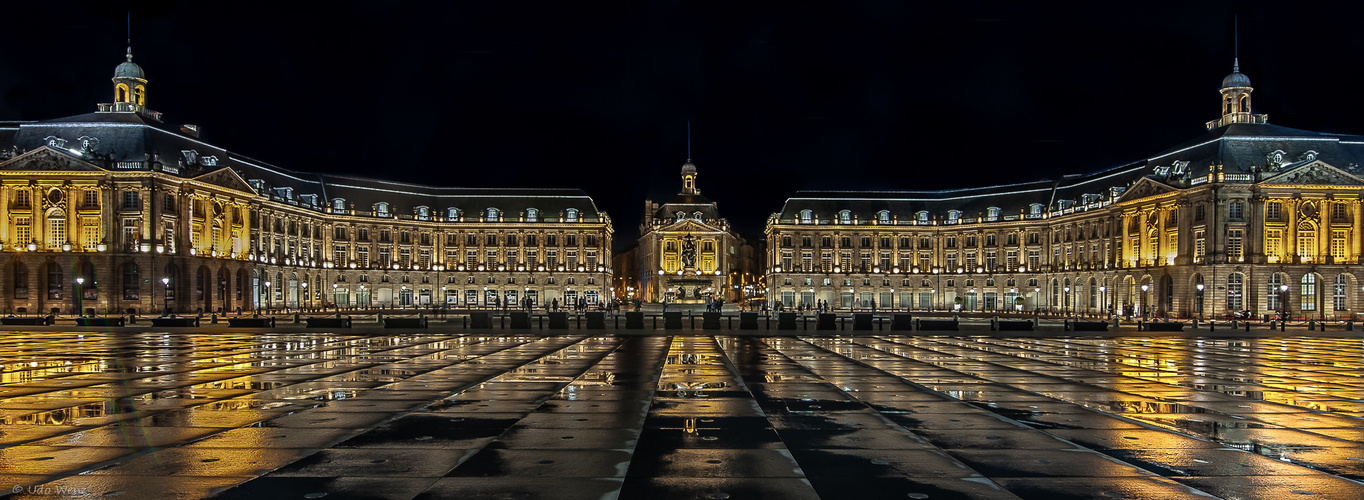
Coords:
1065,308
80,291
334,304
1037,300
1103,298
1283,302
1200,299
268,299
306,299
1144,288
165,296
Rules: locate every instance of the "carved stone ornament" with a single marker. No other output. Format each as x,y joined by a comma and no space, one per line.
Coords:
1307,210
1316,173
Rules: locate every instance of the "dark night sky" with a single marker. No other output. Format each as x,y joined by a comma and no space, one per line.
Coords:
782,96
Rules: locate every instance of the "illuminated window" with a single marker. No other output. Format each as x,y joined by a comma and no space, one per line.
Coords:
1308,292
1273,244
1274,291
1338,298
23,232
1307,242
845,217
1338,246
572,215
1200,245
806,216
532,215
56,228
90,236
1235,286
1235,245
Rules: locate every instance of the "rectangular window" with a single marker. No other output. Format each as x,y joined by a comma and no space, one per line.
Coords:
362,256
385,257
1273,244
1200,245
21,199
1272,210
339,255
23,232
1308,292
1338,246
90,236
1235,245
91,198
1338,212
1338,294
1236,210
131,200
1034,260
56,232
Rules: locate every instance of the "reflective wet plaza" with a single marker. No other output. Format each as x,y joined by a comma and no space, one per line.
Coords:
253,416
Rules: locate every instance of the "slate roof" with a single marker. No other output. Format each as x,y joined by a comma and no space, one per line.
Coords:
1240,148
131,141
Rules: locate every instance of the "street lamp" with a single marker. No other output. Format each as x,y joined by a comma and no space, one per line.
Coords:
1144,288
165,297
268,299
80,291
1283,302
1037,300
1065,309
1200,299
1103,296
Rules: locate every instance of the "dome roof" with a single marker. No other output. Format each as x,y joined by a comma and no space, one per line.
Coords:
1236,79
688,168
129,69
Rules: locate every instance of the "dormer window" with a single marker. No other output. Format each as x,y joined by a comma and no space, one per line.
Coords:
696,215
1064,204
845,217
992,213
572,215
807,216
493,214
532,215
381,209
1035,209
883,217
338,204
953,216
921,215
308,199
679,217
285,192
452,213
423,213
257,184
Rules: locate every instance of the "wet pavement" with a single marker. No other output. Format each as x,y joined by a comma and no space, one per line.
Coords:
433,416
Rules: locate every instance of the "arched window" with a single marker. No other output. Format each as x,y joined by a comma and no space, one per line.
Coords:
1307,242
845,217
1338,297
1274,291
140,95
54,281
121,93
992,213
572,215
423,213
381,209
56,228
532,215
696,215
1308,292
452,213
921,215
339,204
20,281
1245,103
492,214
680,216
1235,289
883,217
806,216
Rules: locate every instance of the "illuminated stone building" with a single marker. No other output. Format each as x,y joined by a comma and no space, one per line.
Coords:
687,253
1249,216
117,210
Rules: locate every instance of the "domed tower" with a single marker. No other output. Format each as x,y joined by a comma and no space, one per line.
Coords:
1235,92
130,83
689,178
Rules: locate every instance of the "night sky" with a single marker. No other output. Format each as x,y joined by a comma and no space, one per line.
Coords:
781,96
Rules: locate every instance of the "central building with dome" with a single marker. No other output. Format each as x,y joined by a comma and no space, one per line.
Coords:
687,253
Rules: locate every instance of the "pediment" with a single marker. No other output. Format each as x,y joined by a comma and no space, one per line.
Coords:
46,159
227,178
690,226
1146,188
1317,173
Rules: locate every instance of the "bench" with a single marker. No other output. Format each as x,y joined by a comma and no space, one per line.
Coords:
861,321
672,320
826,321
710,321
1175,326
327,322
938,324
1089,326
748,321
24,321
596,320
480,320
902,322
118,321
175,322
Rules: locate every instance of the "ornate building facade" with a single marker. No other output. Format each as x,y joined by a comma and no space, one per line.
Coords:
117,210
687,253
1247,217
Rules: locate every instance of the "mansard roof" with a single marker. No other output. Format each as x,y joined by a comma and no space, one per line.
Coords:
1246,152
126,141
